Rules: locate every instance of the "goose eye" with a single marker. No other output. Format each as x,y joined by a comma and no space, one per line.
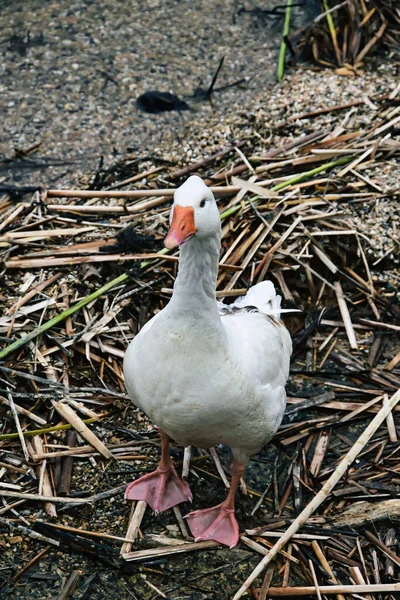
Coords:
202,204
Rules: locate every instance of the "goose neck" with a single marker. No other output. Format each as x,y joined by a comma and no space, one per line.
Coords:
195,285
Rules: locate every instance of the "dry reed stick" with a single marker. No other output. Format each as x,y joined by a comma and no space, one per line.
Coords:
45,487
18,426
70,586
344,311
221,190
33,561
390,422
220,470
372,538
187,454
136,518
263,593
322,559
156,552
97,534
24,411
314,576
333,589
71,417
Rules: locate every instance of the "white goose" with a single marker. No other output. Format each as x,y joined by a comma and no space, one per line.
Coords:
204,372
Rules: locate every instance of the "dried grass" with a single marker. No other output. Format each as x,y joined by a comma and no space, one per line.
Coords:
63,335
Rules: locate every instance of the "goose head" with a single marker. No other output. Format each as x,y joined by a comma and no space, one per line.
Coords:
193,214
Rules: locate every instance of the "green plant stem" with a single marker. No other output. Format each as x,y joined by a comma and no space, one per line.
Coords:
282,51
13,436
307,174
332,31
294,180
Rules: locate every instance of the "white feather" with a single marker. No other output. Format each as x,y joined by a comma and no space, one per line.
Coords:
261,296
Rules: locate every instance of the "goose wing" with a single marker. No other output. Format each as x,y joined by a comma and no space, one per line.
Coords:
260,342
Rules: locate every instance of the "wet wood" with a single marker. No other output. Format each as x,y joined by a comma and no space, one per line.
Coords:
333,590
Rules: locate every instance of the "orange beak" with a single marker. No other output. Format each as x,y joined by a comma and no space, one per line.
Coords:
182,226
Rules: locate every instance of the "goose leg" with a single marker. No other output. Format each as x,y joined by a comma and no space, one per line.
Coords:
163,488
219,523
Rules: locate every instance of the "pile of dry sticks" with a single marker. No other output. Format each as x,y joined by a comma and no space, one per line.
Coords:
344,33
290,214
